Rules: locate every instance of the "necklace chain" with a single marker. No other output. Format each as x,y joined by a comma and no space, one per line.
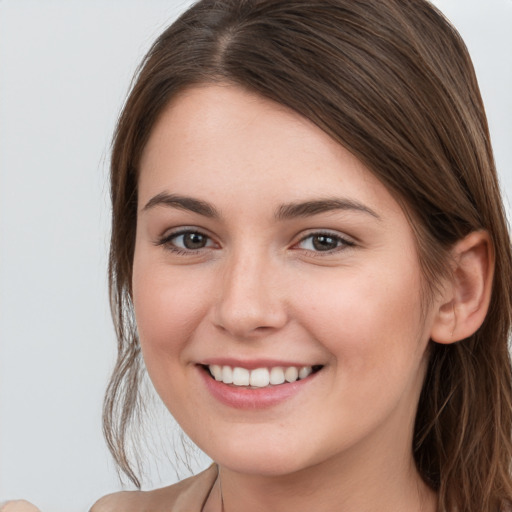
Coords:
221,495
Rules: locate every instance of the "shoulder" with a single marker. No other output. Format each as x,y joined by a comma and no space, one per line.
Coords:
189,494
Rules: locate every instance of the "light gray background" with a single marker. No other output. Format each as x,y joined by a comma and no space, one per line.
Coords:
65,67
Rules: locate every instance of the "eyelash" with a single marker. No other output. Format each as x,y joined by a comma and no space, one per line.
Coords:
341,242
167,241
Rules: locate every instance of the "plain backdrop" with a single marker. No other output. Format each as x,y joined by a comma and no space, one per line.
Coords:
65,68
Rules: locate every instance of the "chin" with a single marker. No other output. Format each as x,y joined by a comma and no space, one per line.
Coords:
263,466
270,458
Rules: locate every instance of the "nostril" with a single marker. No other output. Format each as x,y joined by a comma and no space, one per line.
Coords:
263,328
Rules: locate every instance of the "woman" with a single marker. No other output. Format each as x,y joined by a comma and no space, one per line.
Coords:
310,257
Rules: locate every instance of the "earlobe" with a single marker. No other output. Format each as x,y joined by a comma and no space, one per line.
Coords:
465,300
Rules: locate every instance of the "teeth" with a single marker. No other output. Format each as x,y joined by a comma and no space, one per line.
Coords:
276,375
291,374
305,371
216,371
227,375
260,377
241,376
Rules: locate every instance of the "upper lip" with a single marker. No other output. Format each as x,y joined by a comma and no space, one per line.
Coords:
252,364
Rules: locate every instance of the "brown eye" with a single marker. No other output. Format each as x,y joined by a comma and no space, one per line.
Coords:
323,242
193,241
185,241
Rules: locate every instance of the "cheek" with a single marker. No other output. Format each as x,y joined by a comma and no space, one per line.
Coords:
370,321
372,329
168,307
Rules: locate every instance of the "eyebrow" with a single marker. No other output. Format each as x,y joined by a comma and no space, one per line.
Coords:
182,203
284,212
315,207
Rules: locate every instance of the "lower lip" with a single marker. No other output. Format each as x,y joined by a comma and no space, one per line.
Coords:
258,398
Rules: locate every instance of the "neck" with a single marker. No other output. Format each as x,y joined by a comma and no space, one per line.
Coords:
353,483
377,474
301,493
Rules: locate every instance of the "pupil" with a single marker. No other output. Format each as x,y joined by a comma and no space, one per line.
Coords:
324,243
194,241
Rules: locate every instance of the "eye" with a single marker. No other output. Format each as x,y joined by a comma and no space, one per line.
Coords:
185,241
323,242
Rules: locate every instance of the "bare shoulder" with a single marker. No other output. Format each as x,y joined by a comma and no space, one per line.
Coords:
189,492
139,501
125,500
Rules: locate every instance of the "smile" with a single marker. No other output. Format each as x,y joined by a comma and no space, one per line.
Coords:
260,377
257,385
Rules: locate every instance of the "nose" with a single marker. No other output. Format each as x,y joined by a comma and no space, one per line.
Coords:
251,301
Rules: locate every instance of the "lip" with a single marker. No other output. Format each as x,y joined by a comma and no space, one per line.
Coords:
253,399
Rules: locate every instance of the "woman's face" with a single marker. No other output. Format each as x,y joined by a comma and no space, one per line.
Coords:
265,250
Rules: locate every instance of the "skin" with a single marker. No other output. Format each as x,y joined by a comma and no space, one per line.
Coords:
18,506
260,288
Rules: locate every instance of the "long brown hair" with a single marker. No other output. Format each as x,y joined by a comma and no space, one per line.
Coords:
392,81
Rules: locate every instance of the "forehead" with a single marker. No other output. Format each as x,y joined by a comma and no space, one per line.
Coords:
215,140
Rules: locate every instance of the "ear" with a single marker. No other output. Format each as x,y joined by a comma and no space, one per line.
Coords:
464,302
